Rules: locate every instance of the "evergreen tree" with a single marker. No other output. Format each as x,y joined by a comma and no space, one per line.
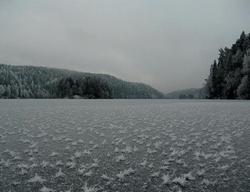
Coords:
229,79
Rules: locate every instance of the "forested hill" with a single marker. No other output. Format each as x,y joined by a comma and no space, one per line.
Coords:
192,93
230,75
42,82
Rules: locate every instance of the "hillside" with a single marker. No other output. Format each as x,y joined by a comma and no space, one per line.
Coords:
192,93
43,82
230,75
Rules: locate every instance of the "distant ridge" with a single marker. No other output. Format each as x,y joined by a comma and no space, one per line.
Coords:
43,82
192,93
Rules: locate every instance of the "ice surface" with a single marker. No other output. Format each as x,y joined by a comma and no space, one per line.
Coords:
124,145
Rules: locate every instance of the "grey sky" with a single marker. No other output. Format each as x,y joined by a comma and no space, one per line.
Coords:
168,44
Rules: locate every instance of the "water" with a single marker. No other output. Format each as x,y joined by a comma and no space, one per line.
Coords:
124,145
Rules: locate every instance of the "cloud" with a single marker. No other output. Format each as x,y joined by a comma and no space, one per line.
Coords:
169,44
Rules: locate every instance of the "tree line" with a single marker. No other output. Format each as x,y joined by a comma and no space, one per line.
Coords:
43,82
229,76
85,87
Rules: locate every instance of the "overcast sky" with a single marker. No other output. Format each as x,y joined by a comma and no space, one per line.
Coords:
168,44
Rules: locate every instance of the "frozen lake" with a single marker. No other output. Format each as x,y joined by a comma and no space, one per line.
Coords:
124,145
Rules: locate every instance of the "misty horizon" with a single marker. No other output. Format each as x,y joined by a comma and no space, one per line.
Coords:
169,45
